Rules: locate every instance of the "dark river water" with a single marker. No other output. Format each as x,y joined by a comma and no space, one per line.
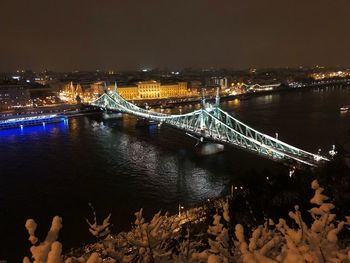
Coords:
59,169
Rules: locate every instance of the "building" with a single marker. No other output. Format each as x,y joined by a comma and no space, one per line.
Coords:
144,90
14,96
174,90
221,82
330,74
148,90
129,93
71,93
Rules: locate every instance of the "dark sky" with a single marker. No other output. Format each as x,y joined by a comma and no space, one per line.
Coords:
130,34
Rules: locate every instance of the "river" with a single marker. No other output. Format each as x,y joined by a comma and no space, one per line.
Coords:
60,168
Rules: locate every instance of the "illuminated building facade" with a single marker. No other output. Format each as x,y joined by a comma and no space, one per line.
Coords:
237,88
153,90
14,96
71,93
330,74
221,82
174,90
129,93
145,90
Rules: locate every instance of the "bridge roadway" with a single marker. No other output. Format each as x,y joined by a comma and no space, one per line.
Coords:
214,124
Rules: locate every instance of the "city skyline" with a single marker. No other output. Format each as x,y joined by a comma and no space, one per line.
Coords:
86,35
174,131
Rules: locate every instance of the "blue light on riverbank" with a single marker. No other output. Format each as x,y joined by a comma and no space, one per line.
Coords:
31,121
37,129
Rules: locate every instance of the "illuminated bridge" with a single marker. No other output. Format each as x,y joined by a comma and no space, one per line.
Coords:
214,124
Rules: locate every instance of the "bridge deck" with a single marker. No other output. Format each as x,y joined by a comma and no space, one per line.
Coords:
215,124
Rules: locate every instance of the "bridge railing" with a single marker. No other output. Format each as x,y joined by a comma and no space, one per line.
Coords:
268,140
115,102
216,124
227,133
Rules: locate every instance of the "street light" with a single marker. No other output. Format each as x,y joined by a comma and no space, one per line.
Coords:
180,207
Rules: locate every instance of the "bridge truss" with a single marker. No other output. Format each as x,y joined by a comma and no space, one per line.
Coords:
214,124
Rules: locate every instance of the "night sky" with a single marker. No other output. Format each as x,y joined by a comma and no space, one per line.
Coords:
69,35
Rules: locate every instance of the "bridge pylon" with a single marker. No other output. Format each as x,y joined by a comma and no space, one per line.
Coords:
115,87
212,123
105,89
203,99
217,98
202,115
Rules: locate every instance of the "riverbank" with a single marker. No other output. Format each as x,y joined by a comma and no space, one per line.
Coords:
217,231
170,103
69,110
80,109
59,169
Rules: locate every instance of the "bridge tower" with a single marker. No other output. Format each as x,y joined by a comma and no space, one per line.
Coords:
217,98
203,99
212,123
202,116
105,87
115,87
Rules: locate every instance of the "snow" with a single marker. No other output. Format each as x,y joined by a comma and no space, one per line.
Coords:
97,230
200,255
54,255
318,198
31,227
225,214
254,239
94,258
40,252
332,234
169,239
214,259
239,233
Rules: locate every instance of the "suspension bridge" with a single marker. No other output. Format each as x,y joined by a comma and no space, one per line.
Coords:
214,124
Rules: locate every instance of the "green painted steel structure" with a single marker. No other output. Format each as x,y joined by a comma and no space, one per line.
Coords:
217,125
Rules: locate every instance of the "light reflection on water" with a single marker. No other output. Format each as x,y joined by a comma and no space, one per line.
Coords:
58,169
50,129
151,166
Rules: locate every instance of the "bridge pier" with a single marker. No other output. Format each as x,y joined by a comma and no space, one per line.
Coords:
217,125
